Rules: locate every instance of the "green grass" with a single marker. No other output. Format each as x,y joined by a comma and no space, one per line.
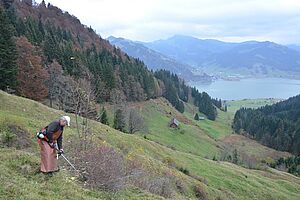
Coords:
187,138
217,129
187,150
233,106
221,130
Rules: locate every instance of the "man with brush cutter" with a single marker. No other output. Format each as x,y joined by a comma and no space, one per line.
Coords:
50,141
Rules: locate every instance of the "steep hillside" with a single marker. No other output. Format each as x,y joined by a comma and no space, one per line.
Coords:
199,177
50,56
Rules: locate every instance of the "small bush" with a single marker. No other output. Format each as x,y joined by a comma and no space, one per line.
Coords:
184,170
14,136
214,158
7,138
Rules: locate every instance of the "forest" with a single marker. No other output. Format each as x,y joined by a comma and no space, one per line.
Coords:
276,126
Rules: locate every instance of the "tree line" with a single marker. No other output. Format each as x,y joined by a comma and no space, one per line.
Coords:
289,164
276,126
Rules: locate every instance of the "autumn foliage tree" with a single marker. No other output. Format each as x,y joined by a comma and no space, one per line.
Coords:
31,76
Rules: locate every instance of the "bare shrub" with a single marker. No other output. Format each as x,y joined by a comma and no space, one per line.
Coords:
249,161
159,185
181,187
104,168
200,193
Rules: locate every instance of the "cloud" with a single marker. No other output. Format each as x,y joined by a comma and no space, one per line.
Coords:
230,20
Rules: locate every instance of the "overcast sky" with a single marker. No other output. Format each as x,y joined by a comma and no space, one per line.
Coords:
227,20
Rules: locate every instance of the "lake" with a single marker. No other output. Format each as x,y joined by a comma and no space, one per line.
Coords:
251,88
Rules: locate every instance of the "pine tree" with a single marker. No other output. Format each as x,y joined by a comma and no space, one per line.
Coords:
196,117
8,54
103,117
119,120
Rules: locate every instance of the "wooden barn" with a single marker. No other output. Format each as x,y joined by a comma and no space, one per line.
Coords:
174,123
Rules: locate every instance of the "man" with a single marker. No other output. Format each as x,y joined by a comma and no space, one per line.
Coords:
50,141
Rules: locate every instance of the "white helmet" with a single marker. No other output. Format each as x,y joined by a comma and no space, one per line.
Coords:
67,118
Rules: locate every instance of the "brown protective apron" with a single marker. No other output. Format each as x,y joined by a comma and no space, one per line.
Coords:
48,154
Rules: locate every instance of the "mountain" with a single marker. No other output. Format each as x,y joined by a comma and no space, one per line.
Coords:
188,49
295,47
257,57
155,60
249,58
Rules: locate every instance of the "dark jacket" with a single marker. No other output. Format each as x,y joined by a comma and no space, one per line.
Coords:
54,133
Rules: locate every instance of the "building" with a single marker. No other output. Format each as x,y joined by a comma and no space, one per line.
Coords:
174,123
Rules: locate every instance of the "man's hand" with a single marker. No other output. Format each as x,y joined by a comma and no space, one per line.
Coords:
61,151
54,146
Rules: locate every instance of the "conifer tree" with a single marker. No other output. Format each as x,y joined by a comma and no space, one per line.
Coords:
119,120
8,54
103,117
196,117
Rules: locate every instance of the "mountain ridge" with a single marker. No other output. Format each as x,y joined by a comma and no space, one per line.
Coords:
251,58
155,60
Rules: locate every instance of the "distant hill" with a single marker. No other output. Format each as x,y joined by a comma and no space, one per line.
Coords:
155,60
248,58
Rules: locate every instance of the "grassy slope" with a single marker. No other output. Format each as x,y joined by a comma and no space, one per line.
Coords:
223,179
19,169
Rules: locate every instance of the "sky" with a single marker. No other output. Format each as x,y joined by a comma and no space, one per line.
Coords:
226,20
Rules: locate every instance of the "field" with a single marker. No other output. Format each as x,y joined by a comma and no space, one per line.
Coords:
162,151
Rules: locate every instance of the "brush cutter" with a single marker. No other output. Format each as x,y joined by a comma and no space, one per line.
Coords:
82,177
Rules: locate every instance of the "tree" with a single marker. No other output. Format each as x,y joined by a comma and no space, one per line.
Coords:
80,100
136,122
32,76
55,72
119,120
196,117
235,156
8,54
103,117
